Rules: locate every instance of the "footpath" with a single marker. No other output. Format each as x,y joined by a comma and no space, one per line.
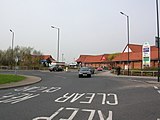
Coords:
147,79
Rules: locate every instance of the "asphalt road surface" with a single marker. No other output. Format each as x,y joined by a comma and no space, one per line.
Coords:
64,96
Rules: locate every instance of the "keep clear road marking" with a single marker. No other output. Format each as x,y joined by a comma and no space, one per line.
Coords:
75,111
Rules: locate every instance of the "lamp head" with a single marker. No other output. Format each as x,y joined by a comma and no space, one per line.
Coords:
122,13
52,27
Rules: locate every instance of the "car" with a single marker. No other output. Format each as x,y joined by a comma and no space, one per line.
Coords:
99,69
55,68
84,71
92,70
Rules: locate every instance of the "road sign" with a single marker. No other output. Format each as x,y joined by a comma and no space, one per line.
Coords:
146,55
156,42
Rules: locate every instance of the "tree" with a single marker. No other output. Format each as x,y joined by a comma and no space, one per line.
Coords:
24,54
112,56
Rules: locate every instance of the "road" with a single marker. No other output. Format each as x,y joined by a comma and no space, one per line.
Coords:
64,96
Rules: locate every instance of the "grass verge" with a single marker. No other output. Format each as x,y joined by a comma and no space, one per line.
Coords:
6,78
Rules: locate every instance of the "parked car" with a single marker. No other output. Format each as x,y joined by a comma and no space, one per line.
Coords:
99,69
84,71
55,68
92,70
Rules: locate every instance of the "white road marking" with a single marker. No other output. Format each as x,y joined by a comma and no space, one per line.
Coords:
155,87
89,97
64,98
76,97
104,97
115,99
75,111
102,117
72,115
52,116
91,114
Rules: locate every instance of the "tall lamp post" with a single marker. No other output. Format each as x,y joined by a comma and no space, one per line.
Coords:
58,42
158,39
12,46
127,36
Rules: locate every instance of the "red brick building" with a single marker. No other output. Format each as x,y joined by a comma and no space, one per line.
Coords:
135,57
94,60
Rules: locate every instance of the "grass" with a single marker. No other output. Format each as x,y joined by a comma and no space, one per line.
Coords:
6,78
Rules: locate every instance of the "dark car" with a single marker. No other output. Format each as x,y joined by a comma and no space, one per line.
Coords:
92,70
84,71
55,68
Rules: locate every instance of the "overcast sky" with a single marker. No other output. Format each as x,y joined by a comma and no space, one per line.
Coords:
86,26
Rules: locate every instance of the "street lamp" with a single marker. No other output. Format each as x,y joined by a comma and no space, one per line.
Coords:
127,36
158,39
58,42
12,46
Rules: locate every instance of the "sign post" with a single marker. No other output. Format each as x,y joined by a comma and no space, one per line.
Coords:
16,67
146,55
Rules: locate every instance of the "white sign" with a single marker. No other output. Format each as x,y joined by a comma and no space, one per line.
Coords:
146,55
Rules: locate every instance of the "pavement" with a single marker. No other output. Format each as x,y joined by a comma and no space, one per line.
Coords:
28,81
32,80
148,79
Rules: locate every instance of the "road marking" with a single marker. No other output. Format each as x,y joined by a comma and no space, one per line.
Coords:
72,116
52,116
102,117
87,98
91,114
115,99
155,87
25,93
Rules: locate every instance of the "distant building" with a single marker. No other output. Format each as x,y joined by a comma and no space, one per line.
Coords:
44,59
135,57
121,59
94,60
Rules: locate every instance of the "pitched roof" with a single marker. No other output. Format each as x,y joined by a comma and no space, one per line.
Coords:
81,58
136,53
132,56
44,57
134,47
92,58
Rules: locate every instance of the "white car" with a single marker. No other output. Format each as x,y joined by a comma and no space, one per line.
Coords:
84,71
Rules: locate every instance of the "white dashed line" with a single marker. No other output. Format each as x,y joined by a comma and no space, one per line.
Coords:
155,87
158,90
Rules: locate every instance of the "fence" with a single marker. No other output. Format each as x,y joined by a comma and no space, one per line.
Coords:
23,68
138,73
